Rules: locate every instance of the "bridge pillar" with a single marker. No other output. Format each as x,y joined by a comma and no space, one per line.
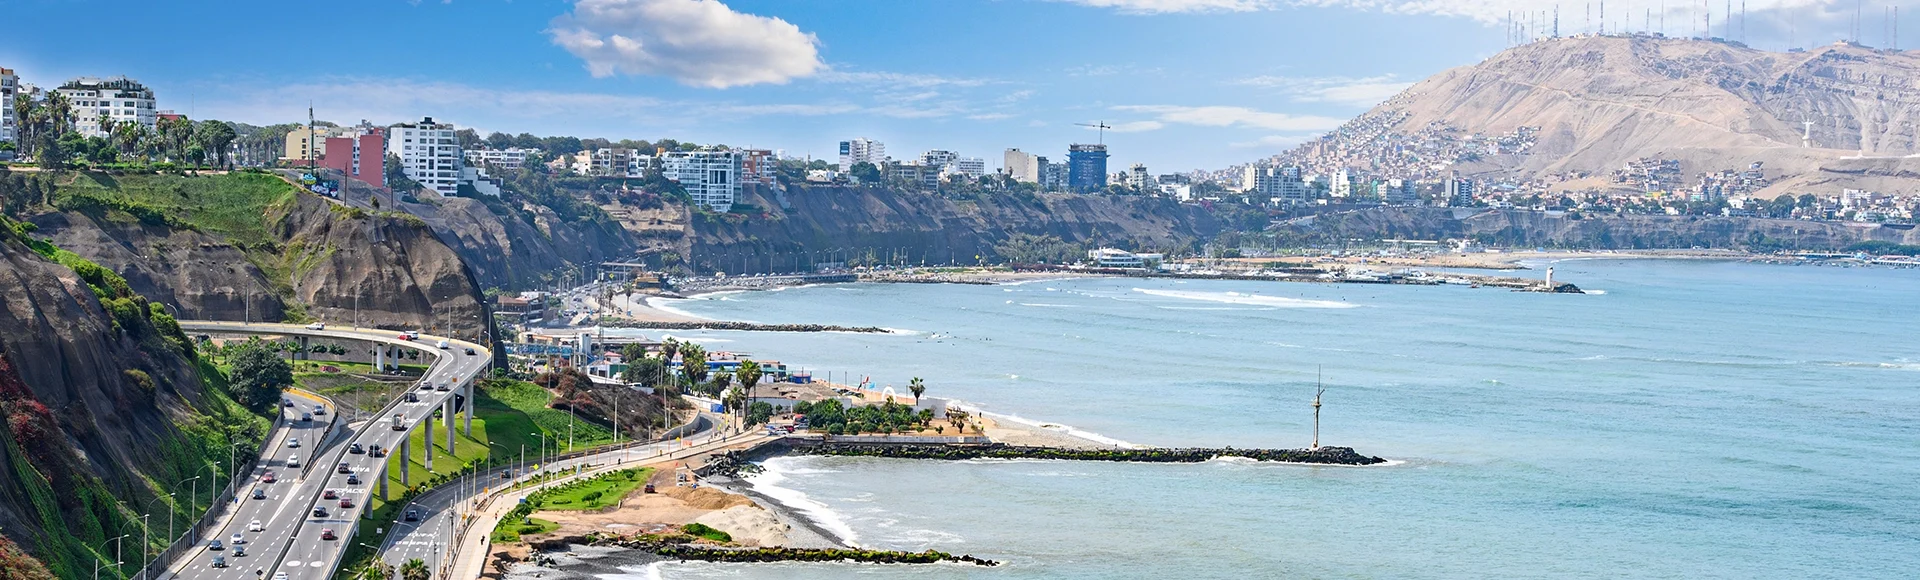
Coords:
305,347
469,400
379,358
406,458
447,414
427,441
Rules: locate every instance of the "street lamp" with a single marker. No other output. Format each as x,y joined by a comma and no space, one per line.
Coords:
116,551
96,568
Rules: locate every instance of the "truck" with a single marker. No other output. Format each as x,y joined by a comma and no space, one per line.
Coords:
399,422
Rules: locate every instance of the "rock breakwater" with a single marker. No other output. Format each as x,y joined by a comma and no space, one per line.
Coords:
611,322
1323,455
669,548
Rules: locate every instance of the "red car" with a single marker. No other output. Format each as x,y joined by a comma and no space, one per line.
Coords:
404,337
329,494
267,477
346,503
327,534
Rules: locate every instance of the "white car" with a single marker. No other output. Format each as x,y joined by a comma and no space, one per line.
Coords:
317,326
279,576
442,344
237,539
293,461
254,526
293,443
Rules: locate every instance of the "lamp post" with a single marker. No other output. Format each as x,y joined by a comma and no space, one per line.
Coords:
118,561
96,569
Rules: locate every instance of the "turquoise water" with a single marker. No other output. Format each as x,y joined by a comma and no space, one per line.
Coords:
1698,419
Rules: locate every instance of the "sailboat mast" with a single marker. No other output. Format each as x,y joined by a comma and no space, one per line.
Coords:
1318,389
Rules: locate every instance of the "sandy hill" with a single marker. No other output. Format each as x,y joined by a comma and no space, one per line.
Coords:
1599,102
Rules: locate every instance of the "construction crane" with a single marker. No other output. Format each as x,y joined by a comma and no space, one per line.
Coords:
1102,126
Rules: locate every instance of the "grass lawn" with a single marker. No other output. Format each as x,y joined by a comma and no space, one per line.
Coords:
519,411
598,492
507,532
234,204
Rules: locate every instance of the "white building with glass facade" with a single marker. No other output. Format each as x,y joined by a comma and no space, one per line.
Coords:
119,99
712,178
429,154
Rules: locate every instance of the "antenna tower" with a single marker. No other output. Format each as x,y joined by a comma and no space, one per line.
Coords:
1319,388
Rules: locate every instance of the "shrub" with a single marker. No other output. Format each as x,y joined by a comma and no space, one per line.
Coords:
702,530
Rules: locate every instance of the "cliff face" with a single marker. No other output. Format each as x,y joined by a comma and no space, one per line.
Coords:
511,252
228,246
1528,228
101,409
831,224
391,269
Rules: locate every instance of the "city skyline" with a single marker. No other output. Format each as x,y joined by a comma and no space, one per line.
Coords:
1185,84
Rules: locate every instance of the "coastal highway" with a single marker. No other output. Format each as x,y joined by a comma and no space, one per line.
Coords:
290,540
427,538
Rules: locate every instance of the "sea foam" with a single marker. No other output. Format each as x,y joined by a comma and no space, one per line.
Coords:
1239,298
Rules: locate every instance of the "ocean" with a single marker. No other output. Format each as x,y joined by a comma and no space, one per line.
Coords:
1694,419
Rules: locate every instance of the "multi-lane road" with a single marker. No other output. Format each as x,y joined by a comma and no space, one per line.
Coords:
292,535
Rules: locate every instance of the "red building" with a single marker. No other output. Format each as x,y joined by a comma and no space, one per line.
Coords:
361,157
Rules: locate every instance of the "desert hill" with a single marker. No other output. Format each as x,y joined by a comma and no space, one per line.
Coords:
1592,104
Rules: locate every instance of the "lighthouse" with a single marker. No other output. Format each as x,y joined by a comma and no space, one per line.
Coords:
1549,277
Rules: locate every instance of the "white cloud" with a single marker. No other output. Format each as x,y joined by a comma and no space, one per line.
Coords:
1223,116
902,80
1178,6
1132,127
990,116
697,42
1363,92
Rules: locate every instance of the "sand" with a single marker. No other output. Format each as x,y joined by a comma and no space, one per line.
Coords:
1012,433
675,506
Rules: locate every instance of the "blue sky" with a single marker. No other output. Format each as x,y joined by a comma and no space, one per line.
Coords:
1187,83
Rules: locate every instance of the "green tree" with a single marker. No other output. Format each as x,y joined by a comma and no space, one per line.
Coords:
215,136
867,173
259,376
749,375
377,569
643,371
415,569
693,363
917,386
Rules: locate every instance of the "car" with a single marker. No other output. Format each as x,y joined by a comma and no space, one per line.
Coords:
267,477
215,545
399,422
343,469
376,451
346,503
279,576
286,403
219,561
413,515
259,492
404,337
444,387
306,417
412,398
327,534
317,326
293,461
255,526
470,352
239,551
237,539
442,345
412,334
353,480
329,494
319,511
319,410
293,443
356,449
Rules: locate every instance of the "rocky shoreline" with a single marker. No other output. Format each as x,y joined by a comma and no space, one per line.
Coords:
611,322
1320,456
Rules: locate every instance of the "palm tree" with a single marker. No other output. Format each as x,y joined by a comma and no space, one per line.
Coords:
415,569
749,375
917,386
377,569
693,363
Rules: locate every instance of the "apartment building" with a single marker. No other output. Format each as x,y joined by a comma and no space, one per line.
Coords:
503,160
119,99
9,86
862,150
429,154
711,178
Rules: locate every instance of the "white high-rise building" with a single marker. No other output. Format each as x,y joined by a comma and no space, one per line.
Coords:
9,86
1022,166
1342,186
968,166
1280,184
711,178
429,154
862,150
119,99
